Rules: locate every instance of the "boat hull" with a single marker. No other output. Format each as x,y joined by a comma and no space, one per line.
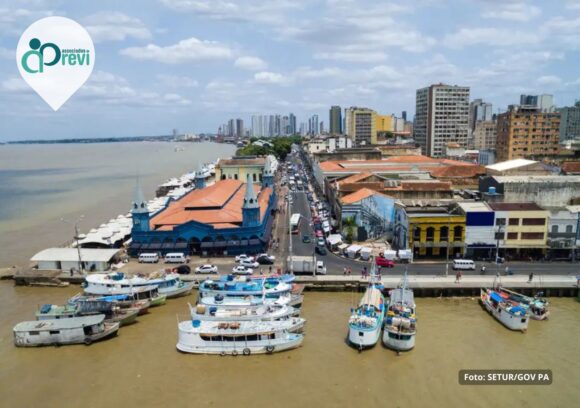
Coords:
258,347
398,344
363,339
516,323
158,301
183,290
110,330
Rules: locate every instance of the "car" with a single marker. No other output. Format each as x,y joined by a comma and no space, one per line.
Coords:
265,260
384,262
320,250
241,257
242,270
320,241
249,263
265,256
306,239
206,269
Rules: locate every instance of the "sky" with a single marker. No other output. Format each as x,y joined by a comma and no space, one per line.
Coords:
193,64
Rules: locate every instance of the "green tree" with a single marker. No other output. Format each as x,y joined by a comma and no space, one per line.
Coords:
348,226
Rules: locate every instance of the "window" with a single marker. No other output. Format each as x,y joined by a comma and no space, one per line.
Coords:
499,235
254,177
236,176
514,221
533,221
532,235
444,234
500,221
430,233
34,333
457,232
417,233
554,229
568,229
512,235
54,332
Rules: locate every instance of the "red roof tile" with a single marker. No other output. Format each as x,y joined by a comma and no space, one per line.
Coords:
571,167
359,195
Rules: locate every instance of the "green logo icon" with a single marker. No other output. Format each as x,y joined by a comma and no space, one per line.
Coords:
70,57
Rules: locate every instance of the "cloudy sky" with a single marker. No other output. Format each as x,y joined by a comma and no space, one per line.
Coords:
192,64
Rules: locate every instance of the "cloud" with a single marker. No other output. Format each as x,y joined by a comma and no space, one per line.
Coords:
549,80
490,36
176,81
519,11
15,85
308,72
5,53
266,77
189,50
250,63
115,26
358,57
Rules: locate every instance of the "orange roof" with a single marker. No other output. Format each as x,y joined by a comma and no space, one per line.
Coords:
355,178
391,164
219,205
571,167
359,195
457,171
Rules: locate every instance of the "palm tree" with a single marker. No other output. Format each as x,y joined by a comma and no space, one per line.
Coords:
348,225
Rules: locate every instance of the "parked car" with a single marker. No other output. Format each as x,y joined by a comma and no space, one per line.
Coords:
265,259
183,269
320,250
384,262
241,257
249,263
306,239
320,241
206,269
242,270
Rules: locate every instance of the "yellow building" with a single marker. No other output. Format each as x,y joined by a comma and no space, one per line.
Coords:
522,228
237,168
361,126
385,123
434,230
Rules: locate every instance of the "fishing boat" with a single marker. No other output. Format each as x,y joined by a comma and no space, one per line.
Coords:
401,323
169,284
511,314
76,330
123,301
235,314
537,305
124,316
246,301
366,321
233,338
149,293
232,287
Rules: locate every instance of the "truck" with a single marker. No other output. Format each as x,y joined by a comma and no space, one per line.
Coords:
306,264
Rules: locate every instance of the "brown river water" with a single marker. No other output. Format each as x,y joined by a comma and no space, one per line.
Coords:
141,367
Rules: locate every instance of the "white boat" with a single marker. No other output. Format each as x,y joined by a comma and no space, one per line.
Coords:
168,284
511,314
401,323
537,306
366,321
244,302
74,330
237,314
247,287
233,338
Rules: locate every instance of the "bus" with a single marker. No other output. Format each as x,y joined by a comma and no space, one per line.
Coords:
295,223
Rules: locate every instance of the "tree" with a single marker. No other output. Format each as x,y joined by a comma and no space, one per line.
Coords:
349,225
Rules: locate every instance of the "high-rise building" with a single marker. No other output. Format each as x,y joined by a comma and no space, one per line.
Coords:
335,120
284,125
255,130
321,127
485,135
479,111
404,115
361,126
292,124
384,123
545,102
441,116
303,128
570,122
231,128
527,132
239,128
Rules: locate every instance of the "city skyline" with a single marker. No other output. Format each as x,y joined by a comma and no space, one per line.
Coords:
175,64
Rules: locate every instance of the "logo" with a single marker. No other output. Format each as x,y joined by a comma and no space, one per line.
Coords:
55,56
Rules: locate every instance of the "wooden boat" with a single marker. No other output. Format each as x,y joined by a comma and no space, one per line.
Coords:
123,301
169,285
366,321
233,338
124,316
76,330
511,314
401,323
237,314
537,306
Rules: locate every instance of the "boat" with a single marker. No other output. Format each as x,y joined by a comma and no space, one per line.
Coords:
246,301
401,323
537,305
149,293
509,313
169,284
113,313
366,321
123,301
233,338
236,314
246,287
76,330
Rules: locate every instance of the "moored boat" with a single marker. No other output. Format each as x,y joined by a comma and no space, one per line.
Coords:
76,330
509,313
262,312
537,305
233,338
232,287
366,320
124,316
169,285
123,301
401,323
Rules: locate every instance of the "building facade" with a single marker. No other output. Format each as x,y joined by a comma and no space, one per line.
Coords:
484,135
480,240
372,212
479,111
442,116
570,123
544,102
562,231
527,132
239,167
335,120
361,126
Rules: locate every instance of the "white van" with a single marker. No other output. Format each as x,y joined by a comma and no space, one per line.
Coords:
148,258
175,257
466,264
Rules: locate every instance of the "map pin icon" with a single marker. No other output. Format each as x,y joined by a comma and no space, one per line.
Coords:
55,56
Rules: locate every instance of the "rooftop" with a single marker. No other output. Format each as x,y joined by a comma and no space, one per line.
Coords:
242,161
510,164
474,206
390,164
571,167
537,179
515,207
360,195
72,255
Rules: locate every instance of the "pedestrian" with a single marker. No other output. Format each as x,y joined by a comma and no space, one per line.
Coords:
531,277
349,270
270,269
261,273
457,276
344,271
507,270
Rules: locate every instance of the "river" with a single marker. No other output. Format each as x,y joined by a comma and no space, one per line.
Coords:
42,184
141,367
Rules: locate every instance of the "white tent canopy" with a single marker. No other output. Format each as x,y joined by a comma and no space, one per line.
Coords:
334,239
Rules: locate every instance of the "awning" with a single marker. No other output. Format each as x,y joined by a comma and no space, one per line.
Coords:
156,245
220,244
334,239
135,246
233,244
181,245
244,242
207,245
254,242
168,245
